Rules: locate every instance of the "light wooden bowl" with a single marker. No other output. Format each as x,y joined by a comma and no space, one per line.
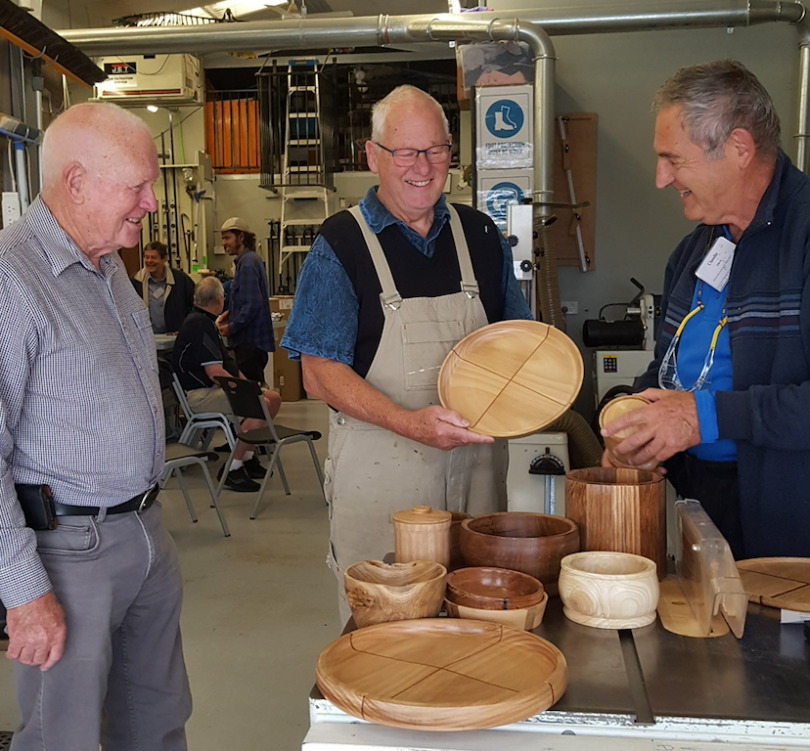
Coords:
525,619
616,408
511,378
381,592
531,543
609,590
493,588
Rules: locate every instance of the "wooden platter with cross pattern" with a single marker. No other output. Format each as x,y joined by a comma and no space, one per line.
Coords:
512,378
441,674
777,582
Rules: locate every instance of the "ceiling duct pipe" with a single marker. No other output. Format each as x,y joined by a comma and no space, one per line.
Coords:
803,134
366,31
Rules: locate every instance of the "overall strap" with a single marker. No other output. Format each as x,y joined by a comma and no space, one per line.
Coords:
390,296
468,283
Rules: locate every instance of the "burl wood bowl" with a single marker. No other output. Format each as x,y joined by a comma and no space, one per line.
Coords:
616,408
525,619
609,590
531,543
493,588
381,592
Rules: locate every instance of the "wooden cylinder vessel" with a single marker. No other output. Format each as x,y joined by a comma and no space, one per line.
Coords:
422,534
621,510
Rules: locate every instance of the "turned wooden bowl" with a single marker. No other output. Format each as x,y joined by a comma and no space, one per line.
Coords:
609,590
525,619
533,544
493,588
381,592
615,408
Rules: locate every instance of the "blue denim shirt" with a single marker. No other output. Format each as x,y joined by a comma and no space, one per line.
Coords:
324,286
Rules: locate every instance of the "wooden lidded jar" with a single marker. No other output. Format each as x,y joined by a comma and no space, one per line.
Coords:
422,534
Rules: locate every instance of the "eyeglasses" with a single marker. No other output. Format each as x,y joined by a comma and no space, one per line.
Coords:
668,372
408,157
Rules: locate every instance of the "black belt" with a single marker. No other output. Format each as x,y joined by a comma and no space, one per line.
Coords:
140,502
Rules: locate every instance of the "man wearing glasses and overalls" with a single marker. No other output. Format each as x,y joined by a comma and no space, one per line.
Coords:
730,382
388,288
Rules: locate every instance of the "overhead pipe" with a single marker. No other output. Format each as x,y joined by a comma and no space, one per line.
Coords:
803,134
368,30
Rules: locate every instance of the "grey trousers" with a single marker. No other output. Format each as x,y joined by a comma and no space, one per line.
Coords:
118,579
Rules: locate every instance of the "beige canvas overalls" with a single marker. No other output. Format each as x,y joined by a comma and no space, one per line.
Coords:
370,472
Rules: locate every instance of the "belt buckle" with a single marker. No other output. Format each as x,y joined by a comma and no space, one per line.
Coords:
145,499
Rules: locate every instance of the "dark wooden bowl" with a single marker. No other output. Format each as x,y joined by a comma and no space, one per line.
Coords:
533,544
493,588
456,558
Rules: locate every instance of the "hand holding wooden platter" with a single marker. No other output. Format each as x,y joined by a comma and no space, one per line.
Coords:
512,378
441,674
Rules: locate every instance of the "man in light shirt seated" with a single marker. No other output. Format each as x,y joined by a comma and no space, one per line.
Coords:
200,356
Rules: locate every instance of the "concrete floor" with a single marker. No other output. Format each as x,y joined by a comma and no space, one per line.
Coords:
259,606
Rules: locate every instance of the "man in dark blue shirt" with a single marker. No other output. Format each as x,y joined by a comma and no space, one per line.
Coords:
247,325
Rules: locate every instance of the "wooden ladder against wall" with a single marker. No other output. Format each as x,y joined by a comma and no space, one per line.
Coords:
306,195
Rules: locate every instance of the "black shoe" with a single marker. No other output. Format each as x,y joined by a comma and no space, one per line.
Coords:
225,448
255,469
239,480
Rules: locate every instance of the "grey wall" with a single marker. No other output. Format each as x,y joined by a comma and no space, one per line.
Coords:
616,76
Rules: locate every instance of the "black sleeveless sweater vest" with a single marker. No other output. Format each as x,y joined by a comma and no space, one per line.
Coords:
415,275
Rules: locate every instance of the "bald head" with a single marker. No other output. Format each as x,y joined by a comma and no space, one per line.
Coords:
99,163
403,98
93,135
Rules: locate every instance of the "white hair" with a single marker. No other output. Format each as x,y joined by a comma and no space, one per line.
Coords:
404,93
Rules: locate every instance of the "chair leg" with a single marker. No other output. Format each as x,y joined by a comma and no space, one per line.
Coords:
215,499
178,473
271,464
225,469
281,473
317,466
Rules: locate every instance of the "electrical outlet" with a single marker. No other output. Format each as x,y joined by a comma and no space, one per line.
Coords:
570,308
10,208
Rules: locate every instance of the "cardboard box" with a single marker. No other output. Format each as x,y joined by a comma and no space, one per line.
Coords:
282,304
287,376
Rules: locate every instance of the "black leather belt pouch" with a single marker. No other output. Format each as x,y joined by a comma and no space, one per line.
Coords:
37,505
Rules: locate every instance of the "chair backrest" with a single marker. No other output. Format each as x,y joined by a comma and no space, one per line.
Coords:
245,397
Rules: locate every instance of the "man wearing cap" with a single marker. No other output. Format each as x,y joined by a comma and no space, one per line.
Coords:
247,324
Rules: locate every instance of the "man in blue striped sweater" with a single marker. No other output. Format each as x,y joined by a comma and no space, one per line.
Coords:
730,382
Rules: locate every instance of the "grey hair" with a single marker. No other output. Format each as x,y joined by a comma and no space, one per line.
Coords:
716,99
382,108
208,291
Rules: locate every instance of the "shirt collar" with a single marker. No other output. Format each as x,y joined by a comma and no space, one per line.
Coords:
770,198
378,218
57,246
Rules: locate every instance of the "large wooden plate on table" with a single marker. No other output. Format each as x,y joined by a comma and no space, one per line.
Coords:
441,674
512,378
777,582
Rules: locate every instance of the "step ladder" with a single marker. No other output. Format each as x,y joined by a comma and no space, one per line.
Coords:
306,192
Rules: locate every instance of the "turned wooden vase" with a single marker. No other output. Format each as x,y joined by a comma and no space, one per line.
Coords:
422,534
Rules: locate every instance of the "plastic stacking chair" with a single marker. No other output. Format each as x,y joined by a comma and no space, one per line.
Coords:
247,401
200,426
175,467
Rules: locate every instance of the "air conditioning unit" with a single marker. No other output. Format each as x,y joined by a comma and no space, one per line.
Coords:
139,80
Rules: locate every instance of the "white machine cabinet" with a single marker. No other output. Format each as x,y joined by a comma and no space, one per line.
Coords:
526,491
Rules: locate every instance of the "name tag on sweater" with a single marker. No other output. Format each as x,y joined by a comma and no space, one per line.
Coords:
716,267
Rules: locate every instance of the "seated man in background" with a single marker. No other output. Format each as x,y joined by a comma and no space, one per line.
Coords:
199,356
167,293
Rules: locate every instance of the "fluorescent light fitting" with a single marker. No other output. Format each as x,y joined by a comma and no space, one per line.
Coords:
152,107
236,7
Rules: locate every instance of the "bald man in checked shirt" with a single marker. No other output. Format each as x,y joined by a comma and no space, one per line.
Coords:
93,599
